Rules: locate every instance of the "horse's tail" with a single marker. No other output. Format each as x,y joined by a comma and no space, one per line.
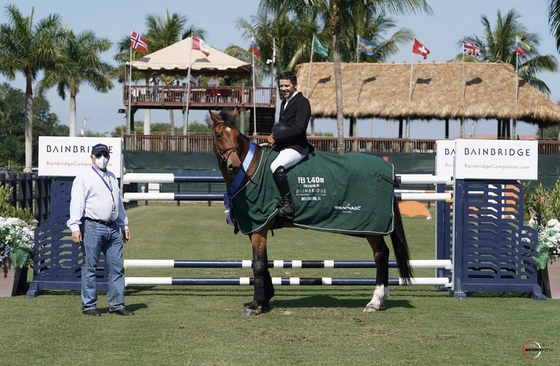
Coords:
400,245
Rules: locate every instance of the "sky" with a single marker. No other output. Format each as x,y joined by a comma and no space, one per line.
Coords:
440,33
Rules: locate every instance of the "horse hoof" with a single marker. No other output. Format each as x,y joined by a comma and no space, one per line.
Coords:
250,312
259,310
370,308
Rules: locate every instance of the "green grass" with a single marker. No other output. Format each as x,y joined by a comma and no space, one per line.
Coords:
308,325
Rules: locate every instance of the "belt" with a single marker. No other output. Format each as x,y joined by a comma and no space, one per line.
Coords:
106,223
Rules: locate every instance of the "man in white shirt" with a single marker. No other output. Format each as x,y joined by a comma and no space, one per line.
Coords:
213,81
97,218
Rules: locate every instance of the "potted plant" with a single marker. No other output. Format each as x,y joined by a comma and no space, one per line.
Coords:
548,247
543,209
17,228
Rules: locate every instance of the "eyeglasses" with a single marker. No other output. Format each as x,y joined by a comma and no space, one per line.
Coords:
102,154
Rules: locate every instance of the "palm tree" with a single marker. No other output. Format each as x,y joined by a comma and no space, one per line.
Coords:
498,44
554,20
338,14
161,33
28,48
373,27
282,37
79,63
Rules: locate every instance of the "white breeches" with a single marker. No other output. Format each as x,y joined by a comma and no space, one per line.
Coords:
286,158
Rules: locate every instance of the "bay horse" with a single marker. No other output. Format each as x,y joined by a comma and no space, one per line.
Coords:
232,148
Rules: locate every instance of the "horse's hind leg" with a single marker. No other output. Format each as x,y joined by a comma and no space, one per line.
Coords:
381,257
263,287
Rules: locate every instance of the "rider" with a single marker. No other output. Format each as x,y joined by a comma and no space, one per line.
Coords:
289,137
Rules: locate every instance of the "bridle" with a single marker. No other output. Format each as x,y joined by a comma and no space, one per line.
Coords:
229,150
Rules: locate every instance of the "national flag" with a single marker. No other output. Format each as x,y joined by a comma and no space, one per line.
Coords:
419,49
320,48
198,44
522,48
138,42
365,46
470,49
256,49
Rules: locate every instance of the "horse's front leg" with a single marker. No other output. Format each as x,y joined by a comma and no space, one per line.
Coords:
381,257
263,287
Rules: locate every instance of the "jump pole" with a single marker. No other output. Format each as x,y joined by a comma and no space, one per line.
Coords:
282,281
202,263
214,178
200,196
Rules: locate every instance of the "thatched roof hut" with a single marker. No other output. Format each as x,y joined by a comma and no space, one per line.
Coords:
450,90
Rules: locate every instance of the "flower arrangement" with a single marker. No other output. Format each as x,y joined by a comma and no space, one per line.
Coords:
17,231
542,207
548,245
16,242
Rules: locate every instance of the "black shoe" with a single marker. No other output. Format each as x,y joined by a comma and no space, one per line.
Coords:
287,209
92,312
121,311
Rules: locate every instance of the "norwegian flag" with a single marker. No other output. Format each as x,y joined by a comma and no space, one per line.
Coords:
470,49
138,42
419,49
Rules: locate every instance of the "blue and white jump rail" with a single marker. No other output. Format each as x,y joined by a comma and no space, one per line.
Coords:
400,195
247,263
282,281
215,178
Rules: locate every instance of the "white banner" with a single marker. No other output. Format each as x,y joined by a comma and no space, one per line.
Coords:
496,159
445,156
67,156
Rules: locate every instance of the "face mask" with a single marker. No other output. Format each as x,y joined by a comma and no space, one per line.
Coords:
102,162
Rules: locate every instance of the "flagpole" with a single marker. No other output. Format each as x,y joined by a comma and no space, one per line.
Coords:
464,84
410,85
516,70
310,66
187,99
128,116
254,95
357,65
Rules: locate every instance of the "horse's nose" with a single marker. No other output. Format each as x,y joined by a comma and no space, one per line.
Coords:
233,169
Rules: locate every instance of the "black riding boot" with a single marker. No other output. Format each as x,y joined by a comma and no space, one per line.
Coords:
287,209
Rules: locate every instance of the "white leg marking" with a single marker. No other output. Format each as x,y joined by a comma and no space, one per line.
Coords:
377,301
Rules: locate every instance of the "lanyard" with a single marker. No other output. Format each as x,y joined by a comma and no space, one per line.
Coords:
109,187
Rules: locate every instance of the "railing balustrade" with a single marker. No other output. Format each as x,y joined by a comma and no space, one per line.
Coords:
203,143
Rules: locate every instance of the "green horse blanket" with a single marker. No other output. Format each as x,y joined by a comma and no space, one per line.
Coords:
350,194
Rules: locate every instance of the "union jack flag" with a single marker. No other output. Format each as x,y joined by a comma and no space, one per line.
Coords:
138,42
471,49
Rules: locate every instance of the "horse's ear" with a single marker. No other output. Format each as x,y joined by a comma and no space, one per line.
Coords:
235,113
215,118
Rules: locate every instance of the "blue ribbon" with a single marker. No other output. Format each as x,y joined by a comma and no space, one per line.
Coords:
234,186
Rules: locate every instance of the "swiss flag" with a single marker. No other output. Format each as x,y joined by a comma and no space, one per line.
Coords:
419,49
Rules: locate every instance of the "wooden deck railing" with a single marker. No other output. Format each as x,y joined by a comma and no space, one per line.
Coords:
203,143
175,96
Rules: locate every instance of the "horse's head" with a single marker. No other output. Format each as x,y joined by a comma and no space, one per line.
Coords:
227,141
